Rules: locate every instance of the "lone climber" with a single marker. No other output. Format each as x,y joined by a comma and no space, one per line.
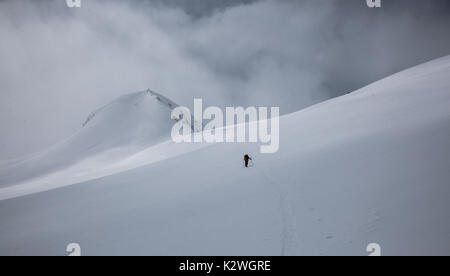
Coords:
246,158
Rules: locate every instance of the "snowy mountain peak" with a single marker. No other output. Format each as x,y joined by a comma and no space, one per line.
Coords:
121,128
162,99
145,101
134,100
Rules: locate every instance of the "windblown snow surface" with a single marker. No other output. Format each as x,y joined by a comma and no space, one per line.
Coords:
369,167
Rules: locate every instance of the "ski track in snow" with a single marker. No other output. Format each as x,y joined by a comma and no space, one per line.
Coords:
285,233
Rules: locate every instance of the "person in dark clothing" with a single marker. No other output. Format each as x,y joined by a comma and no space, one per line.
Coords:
246,159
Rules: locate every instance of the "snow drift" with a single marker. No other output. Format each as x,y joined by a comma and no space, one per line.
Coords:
371,166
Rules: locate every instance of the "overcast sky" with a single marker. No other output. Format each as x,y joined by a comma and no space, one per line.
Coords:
58,64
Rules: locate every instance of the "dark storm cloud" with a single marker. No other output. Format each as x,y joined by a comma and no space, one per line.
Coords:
58,64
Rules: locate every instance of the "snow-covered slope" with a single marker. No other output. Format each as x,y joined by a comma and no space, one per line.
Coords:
371,166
